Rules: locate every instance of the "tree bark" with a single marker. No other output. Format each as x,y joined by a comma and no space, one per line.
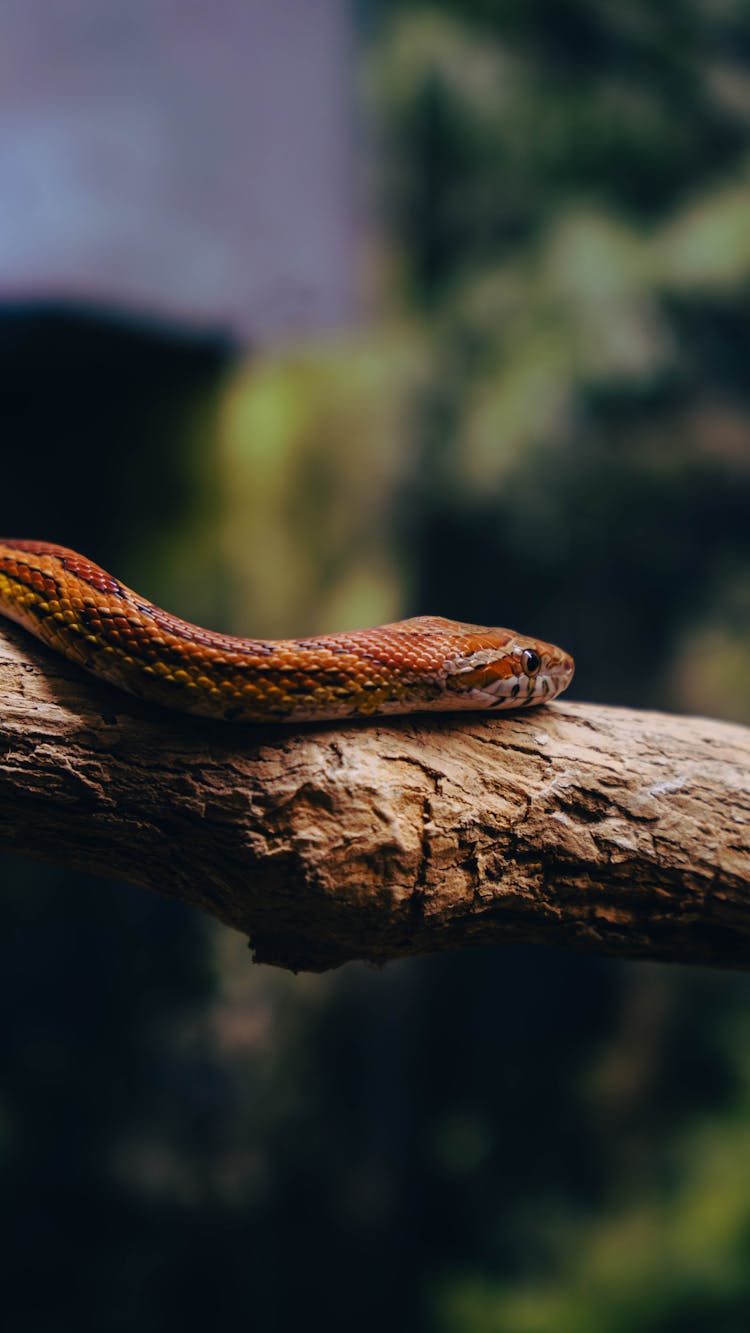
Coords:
599,828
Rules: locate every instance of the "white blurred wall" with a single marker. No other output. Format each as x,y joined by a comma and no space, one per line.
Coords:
184,158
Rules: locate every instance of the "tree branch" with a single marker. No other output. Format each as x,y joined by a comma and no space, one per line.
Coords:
601,828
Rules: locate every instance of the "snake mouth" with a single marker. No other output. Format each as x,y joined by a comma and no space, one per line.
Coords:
511,680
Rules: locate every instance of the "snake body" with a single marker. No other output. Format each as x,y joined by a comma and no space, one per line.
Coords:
418,665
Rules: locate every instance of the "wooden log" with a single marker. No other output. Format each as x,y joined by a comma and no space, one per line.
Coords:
600,828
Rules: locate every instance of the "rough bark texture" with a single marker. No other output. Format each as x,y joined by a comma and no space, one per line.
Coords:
595,827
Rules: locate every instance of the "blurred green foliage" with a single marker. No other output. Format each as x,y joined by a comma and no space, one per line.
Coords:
668,1255
553,429
564,294
545,424
569,186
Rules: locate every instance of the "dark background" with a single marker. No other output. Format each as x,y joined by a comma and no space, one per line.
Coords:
539,417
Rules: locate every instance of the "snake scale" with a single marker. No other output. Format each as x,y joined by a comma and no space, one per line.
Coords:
413,666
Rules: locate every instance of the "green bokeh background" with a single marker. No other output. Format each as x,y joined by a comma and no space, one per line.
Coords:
544,421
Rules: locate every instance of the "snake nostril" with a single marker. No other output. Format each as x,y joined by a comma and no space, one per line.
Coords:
530,661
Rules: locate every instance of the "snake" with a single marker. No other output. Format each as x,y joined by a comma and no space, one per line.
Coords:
423,664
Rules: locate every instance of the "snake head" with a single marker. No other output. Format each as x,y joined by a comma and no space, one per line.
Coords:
507,671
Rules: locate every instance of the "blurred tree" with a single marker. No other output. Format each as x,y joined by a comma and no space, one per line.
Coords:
558,437
567,190
570,192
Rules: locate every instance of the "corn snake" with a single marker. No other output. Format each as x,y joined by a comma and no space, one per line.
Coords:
419,665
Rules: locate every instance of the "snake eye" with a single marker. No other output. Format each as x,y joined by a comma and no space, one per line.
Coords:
530,661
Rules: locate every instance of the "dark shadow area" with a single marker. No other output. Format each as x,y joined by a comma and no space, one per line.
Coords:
94,407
